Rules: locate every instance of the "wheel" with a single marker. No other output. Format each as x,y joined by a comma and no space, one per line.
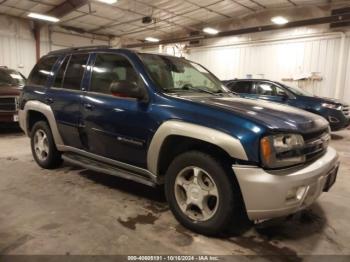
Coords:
202,193
43,146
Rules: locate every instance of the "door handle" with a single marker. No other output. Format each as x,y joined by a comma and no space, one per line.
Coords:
49,100
89,106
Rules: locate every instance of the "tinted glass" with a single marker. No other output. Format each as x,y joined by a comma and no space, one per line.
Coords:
269,89
60,74
42,71
75,71
11,77
173,74
109,68
241,87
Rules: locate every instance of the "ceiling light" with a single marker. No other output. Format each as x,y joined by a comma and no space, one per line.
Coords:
43,17
210,31
152,39
279,20
108,1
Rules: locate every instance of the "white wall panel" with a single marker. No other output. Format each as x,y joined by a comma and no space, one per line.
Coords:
280,59
17,43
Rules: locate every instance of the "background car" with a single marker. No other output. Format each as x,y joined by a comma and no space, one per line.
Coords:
335,111
11,83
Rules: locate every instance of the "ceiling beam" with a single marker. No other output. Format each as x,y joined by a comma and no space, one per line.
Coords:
307,22
257,3
293,3
67,7
243,5
207,8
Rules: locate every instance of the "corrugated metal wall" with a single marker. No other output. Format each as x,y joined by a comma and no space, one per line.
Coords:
17,43
281,59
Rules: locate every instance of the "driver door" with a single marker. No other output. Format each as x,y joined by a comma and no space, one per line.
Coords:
271,92
115,127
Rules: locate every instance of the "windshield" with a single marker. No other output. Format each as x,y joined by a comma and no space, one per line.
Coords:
174,74
298,91
11,77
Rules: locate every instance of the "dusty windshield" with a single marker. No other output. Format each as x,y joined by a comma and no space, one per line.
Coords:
11,78
174,74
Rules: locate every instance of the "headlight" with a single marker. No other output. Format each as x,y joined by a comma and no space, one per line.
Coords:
282,150
331,106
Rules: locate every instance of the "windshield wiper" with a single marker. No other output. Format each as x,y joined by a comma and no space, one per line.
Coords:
201,90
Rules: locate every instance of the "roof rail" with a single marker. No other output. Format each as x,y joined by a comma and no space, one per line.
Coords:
78,48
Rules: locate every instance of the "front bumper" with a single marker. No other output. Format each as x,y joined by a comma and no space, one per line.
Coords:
266,194
8,117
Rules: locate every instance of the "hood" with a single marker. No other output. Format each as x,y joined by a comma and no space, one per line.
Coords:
272,115
10,90
320,100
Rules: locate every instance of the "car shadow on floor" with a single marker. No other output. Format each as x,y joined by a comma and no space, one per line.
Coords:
336,137
12,129
301,225
128,186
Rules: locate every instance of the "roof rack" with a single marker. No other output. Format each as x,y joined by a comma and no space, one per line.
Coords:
79,48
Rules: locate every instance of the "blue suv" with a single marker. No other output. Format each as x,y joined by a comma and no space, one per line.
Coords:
162,120
337,113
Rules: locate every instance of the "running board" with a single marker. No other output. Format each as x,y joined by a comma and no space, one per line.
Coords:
109,169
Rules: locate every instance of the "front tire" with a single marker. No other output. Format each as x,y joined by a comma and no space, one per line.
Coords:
43,146
201,194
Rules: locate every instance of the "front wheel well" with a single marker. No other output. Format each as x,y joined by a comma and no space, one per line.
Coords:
174,145
34,117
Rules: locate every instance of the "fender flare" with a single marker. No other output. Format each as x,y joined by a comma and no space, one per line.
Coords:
228,143
44,109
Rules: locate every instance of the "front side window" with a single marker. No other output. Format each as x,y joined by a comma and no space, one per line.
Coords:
174,74
269,89
42,71
109,68
75,71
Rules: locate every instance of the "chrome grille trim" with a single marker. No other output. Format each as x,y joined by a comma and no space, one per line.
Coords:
346,110
315,146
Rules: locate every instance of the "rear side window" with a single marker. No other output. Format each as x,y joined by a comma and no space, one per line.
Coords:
42,71
109,68
241,87
60,74
75,71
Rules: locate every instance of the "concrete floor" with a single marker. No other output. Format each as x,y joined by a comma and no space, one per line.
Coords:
74,211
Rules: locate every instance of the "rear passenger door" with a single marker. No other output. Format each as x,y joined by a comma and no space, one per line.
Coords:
116,127
65,96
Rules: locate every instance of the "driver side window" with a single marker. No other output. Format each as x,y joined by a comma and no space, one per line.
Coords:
109,68
269,89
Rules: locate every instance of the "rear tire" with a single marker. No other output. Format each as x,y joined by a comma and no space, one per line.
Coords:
215,197
43,146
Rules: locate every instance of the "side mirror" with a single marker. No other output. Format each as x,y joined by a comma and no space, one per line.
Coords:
124,88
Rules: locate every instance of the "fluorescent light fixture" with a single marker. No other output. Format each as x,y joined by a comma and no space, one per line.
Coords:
108,1
43,17
279,20
210,31
152,39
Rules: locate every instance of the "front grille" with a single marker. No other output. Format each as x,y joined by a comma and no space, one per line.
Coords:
316,144
8,104
346,110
